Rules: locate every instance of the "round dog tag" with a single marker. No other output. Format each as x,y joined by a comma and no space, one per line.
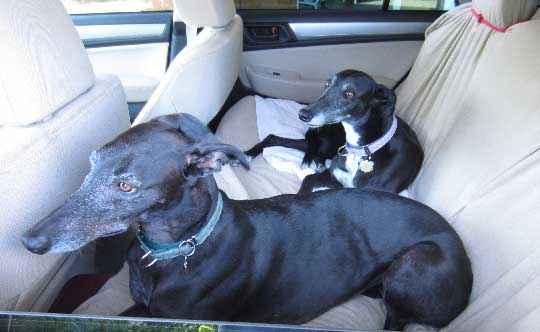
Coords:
366,166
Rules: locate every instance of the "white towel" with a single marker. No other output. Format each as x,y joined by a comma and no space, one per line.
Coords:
280,117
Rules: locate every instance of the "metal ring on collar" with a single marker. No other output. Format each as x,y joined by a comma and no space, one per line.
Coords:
342,151
192,242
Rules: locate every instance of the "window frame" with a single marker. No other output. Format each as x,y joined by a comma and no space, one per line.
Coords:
385,7
118,12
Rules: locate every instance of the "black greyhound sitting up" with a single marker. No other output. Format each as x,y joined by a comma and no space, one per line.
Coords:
286,259
378,151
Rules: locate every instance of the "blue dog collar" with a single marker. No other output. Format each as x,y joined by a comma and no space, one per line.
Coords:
158,251
368,150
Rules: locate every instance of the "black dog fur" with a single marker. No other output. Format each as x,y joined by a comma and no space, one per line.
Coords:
368,112
284,259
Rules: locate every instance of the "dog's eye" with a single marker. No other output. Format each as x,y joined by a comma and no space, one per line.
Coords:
126,187
349,94
327,83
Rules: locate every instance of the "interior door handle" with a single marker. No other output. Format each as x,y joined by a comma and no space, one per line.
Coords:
266,34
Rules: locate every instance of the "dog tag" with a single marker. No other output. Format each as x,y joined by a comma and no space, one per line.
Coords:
366,166
185,262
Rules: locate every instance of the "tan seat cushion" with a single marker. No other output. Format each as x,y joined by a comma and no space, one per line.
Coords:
477,114
39,169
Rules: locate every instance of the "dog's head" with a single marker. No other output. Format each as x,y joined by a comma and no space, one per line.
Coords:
138,174
350,94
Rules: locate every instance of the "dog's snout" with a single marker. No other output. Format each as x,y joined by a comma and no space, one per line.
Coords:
305,115
38,244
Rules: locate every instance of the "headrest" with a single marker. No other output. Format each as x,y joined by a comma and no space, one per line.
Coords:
505,13
206,13
44,63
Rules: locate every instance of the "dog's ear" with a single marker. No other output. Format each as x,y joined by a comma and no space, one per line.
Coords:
207,158
189,126
384,99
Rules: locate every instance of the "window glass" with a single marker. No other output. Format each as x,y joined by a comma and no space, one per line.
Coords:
310,4
421,4
116,6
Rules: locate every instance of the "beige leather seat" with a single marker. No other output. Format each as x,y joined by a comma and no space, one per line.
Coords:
203,74
53,113
472,97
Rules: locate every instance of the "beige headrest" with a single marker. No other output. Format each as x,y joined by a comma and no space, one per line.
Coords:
504,13
206,13
44,63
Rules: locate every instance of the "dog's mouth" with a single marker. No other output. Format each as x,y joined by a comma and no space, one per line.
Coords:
113,233
314,126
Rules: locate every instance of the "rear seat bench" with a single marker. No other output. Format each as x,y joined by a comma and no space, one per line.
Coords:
473,99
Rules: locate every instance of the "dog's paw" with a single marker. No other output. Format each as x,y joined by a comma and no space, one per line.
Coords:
237,163
312,165
320,189
251,154
317,165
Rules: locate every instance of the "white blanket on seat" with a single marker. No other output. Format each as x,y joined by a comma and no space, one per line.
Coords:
280,117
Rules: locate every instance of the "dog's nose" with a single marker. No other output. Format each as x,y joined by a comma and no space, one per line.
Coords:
305,115
38,244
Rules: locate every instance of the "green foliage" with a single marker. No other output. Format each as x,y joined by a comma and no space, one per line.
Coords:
66,324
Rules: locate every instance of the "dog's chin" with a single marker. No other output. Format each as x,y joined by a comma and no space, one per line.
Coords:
39,251
113,233
63,246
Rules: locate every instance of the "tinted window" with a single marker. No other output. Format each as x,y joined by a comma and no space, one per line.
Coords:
310,4
421,4
345,4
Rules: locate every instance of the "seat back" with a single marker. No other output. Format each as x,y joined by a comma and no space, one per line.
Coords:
203,74
53,113
472,97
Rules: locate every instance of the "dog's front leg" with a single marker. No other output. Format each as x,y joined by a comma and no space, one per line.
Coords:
273,140
137,310
319,181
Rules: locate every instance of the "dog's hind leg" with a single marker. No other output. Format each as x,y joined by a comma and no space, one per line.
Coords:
137,310
393,322
415,288
273,140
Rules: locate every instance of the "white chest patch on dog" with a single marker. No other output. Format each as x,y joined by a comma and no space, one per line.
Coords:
351,135
346,177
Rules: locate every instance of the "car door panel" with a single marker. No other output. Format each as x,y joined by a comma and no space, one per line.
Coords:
263,71
139,67
132,46
310,46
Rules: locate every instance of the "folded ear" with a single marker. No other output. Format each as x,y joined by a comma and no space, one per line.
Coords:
207,158
189,126
385,99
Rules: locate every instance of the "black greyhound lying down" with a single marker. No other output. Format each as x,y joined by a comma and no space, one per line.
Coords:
285,259
378,151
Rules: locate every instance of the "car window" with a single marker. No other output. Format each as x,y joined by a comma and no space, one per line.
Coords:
116,6
310,4
345,4
421,4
